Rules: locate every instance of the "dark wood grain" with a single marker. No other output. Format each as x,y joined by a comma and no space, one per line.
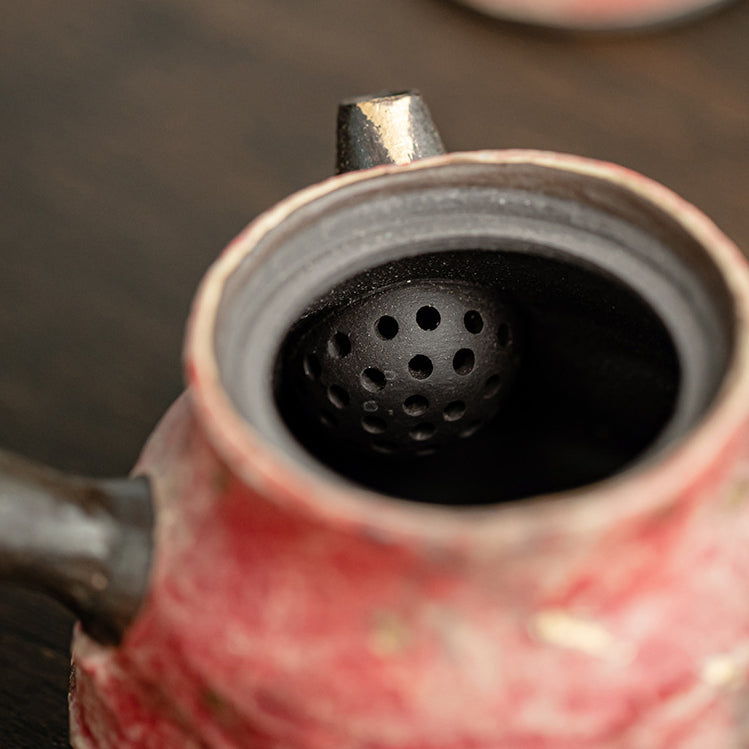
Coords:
137,138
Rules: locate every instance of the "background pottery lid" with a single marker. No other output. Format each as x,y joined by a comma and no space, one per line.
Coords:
593,15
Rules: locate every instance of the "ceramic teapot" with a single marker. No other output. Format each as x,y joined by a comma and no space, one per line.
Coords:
275,573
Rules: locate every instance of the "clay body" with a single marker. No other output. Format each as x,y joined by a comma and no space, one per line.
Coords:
286,608
267,626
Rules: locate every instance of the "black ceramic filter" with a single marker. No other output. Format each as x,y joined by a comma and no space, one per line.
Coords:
408,369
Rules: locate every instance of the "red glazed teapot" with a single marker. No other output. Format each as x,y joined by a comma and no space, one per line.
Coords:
318,548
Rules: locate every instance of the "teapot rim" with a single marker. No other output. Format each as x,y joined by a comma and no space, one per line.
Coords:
645,489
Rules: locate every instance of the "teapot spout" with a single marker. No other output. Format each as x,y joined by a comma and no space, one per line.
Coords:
85,542
387,128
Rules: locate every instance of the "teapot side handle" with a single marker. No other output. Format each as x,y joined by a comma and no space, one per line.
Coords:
85,542
393,127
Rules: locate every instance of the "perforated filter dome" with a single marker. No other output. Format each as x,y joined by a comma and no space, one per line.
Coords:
409,368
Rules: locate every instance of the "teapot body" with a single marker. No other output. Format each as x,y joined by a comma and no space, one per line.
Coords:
290,607
268,623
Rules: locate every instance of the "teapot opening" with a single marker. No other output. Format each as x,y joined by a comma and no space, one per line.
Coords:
607,330
592,384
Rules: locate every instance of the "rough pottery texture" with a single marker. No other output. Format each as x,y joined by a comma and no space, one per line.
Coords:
267,627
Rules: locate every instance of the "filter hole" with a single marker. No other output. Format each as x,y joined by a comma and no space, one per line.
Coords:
422,432
463,361
420,367
470,430
373,424
492,385
504,334
339,346
415,405
311,366
428,318
473,322
454,411
338,396
372,379
327,419
387,327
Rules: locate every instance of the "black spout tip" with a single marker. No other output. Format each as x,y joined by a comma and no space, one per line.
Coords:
390,127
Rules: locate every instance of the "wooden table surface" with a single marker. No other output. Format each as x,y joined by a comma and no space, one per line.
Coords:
137,138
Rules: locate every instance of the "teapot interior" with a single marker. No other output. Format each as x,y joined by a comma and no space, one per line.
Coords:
597,382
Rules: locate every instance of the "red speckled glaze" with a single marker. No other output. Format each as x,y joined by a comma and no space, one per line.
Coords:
288,613
594,14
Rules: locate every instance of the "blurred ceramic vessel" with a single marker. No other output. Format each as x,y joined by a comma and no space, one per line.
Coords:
595,14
